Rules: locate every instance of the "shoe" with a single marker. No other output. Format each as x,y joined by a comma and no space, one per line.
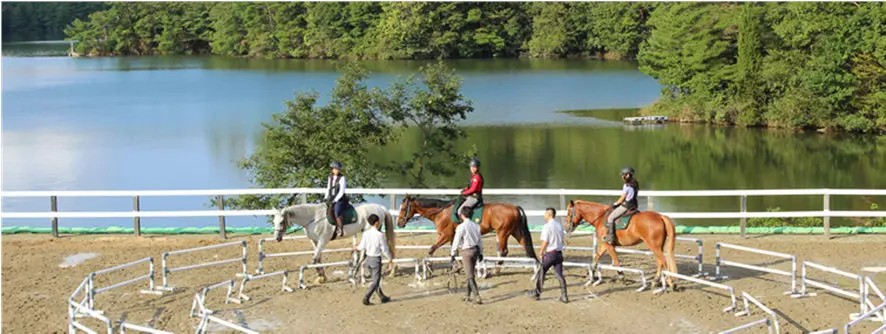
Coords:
533,294
385,299
366,301
564,299
478,301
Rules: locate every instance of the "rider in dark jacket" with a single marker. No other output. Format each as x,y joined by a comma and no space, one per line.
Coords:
336,198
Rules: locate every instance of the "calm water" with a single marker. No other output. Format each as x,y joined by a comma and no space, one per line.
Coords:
135,123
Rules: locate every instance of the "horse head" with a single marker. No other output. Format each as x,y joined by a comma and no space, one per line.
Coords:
583,211
300,214
407,210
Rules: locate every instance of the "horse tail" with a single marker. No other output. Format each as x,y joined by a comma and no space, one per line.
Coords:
671,240
390,235
527,236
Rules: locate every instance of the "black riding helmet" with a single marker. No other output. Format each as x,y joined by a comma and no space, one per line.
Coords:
475,162
335,164
627,170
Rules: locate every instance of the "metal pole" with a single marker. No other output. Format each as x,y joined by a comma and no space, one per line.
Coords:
136,221
221,219
744,219
393,201
827,218
53,206
563,203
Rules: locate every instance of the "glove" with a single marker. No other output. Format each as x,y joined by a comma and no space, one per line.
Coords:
614,205
480,257
452,261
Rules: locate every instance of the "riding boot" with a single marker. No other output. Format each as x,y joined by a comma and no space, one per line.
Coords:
563,297
610,233
338,227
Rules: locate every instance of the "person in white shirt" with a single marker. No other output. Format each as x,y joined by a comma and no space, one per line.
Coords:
374,246
552,247
469,239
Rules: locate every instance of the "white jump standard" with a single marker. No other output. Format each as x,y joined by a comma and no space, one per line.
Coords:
167,270
792,274
731,290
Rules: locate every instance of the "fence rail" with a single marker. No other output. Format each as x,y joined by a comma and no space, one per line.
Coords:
219,194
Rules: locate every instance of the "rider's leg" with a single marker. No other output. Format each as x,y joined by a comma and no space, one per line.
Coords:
610,224
339,211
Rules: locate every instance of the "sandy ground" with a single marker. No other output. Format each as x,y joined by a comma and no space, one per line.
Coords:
35,289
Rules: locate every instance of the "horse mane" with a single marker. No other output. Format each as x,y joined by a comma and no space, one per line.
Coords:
433,202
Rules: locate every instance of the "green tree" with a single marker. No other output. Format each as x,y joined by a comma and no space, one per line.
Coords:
434,105
750,58
297,146
549,30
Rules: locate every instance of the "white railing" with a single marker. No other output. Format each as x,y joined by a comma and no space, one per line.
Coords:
219,194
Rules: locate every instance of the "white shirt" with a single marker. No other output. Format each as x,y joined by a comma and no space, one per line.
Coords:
629,192
553,233
470,232
374,243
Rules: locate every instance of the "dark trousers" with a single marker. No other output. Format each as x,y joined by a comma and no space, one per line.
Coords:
551,259
469,258
338,208
374,264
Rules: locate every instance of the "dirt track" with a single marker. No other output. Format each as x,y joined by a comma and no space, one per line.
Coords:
35,289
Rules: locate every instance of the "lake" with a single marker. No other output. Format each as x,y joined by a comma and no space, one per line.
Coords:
151,123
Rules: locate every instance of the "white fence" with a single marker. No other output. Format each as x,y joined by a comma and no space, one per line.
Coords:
219,194
721,262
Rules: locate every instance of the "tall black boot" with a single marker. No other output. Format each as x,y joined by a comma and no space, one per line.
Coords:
610,233
339,229
563,297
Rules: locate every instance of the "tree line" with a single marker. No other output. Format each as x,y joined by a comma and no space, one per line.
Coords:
41,21
794,65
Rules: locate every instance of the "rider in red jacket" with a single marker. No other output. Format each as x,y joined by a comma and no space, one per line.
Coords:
474,192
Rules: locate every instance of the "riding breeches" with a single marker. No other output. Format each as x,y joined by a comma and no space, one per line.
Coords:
617,212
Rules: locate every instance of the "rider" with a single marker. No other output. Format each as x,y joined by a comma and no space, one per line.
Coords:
474,192
627,201
336,198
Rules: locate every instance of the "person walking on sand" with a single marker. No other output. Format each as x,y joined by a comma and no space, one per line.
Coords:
552,249
467,235
373,247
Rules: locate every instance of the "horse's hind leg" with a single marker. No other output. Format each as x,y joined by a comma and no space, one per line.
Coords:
659,262
502,239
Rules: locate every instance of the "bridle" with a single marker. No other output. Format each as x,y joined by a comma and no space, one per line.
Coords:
571,211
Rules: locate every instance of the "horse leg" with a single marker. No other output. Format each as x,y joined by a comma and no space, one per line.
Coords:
441,240
318,253
596,261
502,239
620,275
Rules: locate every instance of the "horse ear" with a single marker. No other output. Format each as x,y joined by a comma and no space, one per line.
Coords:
572,202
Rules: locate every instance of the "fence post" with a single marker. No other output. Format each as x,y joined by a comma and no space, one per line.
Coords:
136,221
393,201
744,219
649,205
562,202
827,218
53,206
221,219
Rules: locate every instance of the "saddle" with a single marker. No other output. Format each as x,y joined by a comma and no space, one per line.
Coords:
349,216
478,211
622,222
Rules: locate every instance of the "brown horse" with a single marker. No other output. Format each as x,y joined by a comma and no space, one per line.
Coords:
507,220
655,230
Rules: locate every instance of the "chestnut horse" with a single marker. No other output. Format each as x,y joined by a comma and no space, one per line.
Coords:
507,220
655,230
